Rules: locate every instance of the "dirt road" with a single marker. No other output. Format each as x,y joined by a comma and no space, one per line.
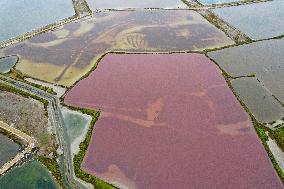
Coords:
29,142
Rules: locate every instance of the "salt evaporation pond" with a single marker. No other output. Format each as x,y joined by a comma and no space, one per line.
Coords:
258,99
169,121
257,20
7,63
122,4
65,55
8,149
76,125
20,16
263,59
207,2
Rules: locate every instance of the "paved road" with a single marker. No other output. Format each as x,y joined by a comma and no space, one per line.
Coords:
31,144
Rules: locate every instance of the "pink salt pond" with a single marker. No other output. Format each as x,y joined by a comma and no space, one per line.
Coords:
169,121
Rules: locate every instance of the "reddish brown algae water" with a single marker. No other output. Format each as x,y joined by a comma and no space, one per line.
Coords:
169,121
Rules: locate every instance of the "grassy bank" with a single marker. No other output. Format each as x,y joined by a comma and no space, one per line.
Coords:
52,165
260,130
78,158
17,75
13,137
25,94
31,175
278,136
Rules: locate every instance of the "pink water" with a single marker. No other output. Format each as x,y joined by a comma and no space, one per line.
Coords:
169,121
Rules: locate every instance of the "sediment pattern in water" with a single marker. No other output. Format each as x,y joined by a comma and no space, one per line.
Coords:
170,121
65,55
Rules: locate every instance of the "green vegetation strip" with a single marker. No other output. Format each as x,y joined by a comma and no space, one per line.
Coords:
31,175
264,138
78,158
278,136
17,75
259,128
13,137
52,165
25,94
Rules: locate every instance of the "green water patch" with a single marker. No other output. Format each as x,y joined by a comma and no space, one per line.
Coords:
8,149
257,20
7,63
20,16
278,135
76,125
31,175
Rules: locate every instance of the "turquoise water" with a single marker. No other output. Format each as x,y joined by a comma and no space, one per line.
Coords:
20,16
258,20
7,63
75,124
32,175
8,150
